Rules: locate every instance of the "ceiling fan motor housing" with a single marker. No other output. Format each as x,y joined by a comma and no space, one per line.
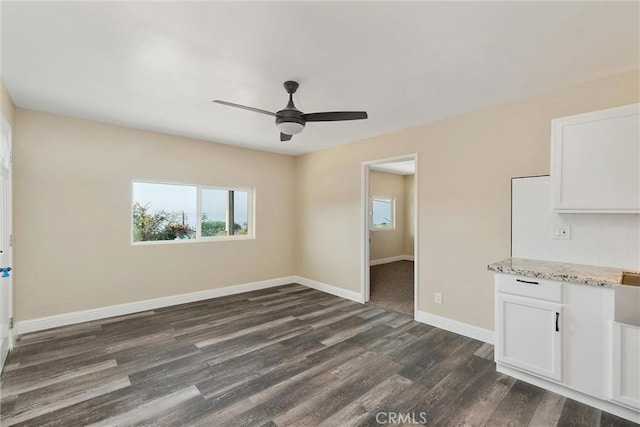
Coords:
290,122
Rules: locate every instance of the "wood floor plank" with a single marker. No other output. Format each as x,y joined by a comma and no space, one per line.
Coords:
346,333
35,372
225,399
478,402
219,417
334,306
403,401
370,403
336,395
148,411
486,351
576,414
548,411
518,406
235,372
434,374
28,412
414,352
185,413
433,354
246,331
610,420
285,356
436,403
286,394
399,321
15,385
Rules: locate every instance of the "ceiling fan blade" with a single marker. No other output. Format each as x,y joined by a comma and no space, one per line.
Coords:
334,116
284,137
244,107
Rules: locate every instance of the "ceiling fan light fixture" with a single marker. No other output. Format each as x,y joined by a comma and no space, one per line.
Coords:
290,128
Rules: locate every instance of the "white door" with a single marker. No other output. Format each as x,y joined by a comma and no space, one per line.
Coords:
530,335
5,243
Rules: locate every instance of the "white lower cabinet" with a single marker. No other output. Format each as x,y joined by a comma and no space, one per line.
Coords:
566,337
530,335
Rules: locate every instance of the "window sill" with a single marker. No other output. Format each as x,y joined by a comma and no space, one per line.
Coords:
200,240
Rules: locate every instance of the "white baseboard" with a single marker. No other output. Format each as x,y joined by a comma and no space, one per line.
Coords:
451,325
391,259
330,289
42,323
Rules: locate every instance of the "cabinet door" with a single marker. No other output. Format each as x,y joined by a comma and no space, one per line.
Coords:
586,338
594,161
626,364
530,335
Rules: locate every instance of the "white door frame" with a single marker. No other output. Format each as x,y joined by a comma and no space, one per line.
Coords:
6,127
365,287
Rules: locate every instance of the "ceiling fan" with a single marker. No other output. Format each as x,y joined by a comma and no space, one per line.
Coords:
291,121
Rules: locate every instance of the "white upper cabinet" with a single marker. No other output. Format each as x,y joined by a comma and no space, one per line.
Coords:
595,161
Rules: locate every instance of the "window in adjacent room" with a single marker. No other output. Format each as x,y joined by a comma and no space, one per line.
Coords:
179,213
382,213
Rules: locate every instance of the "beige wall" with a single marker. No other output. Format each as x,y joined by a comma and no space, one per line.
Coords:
409,214
72,200
6,104
388,243
464,169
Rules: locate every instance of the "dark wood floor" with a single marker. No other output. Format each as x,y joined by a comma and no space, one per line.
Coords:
290,356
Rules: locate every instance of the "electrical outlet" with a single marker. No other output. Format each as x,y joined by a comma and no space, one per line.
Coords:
438,298
562,232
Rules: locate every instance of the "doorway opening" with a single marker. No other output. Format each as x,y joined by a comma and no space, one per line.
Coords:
390,231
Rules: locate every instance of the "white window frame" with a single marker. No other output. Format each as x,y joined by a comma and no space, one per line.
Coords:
393,213
199,238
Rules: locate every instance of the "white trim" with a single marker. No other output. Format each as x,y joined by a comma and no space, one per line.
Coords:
330,289
365,285
365,238
8,128
42,323
471,331
55,321
416,235
391,259
603,405
409,156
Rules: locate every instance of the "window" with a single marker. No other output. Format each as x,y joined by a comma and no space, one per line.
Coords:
382,213
173,212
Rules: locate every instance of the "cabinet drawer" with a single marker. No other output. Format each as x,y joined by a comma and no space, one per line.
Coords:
529,287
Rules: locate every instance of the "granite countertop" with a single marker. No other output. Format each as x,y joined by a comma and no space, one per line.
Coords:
576,273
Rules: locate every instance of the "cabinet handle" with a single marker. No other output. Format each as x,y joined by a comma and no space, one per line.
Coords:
557,322
526,281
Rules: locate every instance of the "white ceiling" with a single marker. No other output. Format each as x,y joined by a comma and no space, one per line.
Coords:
406,167
159,65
